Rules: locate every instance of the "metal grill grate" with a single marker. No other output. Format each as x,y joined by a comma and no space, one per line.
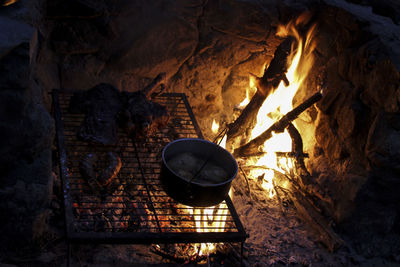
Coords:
134,208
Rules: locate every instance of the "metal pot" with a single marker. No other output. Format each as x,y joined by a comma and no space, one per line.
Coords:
193,193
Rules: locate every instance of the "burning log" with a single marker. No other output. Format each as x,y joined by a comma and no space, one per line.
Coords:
291,154
251,148
297,150
273,75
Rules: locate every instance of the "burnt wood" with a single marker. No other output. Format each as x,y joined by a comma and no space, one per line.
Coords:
307,211
297,149
307,206
273,75
252,147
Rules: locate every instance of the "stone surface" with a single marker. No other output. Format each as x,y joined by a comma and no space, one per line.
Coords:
383,149
386,8
77,9
385,30
13,32
211,76
76,37
243,19
165,36
26,136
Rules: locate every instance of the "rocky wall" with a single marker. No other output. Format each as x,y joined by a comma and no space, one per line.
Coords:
355,157
26,136
208,50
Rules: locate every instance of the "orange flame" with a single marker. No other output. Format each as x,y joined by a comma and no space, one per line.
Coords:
279,103
275,106
9,2
214,126
205,219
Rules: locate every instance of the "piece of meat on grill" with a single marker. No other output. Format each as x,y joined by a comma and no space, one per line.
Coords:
101,105
99,170
141,116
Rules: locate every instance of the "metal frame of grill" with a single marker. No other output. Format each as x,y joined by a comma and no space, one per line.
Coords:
135,210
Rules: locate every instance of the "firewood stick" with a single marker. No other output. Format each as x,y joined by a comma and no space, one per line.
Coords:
314,219
248,116
252,147
291,155
306,209
159,80
273,75
297,148
280,155
310,213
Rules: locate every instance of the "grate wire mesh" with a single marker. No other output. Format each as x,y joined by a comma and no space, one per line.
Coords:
134,208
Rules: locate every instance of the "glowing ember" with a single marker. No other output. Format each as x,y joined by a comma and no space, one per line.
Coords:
279,103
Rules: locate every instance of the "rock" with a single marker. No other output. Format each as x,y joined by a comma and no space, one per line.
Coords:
328,140
347,190
383,28
26,134
14,77
78,9
20,113
47,70
76,37
243,19
238,82
13,32
163,37
386,8
382,149
214,69
382,95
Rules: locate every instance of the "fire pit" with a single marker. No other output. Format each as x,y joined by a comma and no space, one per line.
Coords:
135,209
307,91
